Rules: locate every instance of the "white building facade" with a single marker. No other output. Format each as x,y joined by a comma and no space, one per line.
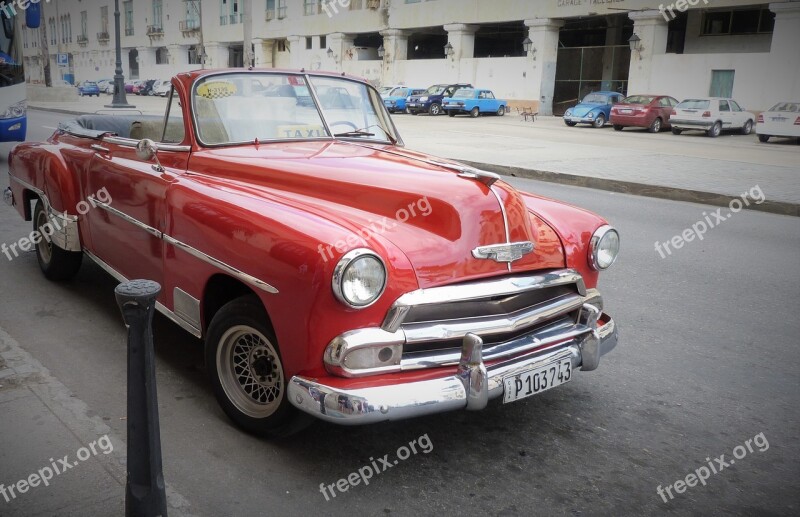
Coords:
545,53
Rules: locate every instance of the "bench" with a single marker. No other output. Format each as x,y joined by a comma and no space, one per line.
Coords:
528,112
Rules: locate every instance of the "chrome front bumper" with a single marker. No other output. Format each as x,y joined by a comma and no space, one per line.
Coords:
470,388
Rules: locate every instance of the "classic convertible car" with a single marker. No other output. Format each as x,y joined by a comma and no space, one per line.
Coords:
330,271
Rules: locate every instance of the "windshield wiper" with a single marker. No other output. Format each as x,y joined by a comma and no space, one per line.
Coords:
357,132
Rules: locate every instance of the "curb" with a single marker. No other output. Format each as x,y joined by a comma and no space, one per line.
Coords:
637,189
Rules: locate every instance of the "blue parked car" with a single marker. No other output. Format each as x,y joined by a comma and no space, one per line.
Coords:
88,88
474,101
396,99
594,109
430,101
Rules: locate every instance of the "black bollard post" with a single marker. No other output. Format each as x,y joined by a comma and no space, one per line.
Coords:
144,491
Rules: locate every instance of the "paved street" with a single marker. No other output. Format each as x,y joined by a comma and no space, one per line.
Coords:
706,362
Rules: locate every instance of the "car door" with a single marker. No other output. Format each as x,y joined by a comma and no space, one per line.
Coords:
127,234
664,108
725,114
740,117
491,104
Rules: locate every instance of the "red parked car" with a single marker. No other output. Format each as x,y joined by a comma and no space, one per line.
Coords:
648,111
330,271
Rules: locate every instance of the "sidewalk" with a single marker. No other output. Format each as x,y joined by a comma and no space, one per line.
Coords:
45,432
689,167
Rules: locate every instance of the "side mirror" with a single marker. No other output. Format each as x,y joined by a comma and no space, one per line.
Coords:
147,150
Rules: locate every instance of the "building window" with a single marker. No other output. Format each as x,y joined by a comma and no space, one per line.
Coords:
193,15
323,42
309,43
194,56
69,28
104,19
311,7
231,12
281,45
721,83
281,9
53,35
127,7
84,26
162,56
738,21
157,14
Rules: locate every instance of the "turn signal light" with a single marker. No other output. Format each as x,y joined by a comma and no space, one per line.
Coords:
760,119
674,112
706,114
797,121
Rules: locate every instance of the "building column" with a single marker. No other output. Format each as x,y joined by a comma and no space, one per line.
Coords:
395,47
651,27
610,56
178,54
543,33
462,37
294,51
217,55
147,57
783,54
262,53
341,44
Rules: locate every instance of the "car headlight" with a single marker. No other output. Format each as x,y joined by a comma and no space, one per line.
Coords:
15,110
359,278
423,99
603,248
568,113
408,99
590,115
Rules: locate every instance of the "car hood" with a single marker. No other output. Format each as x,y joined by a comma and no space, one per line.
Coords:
373,187
582,109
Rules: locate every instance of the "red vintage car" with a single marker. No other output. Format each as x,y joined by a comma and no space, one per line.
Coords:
330,271
648,111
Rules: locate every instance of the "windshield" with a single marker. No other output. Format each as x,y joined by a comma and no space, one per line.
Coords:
464,93
10,59
436,89
791,107
693,104
236,108
638,99
595,98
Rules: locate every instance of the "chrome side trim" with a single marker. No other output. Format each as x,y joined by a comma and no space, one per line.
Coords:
132,142
505,220
185,325
244,277
477,290
347,405
186,306
149,229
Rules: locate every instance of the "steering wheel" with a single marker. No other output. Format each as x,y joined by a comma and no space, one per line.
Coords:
344,123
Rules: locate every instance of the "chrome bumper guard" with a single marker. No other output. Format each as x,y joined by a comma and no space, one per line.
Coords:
473,385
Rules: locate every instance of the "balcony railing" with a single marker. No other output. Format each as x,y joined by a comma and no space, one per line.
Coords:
190,25
129,31
231,19
270,15
103,37
83,40
155,30
282,12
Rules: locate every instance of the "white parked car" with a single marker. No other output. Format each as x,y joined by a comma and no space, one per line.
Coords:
161,88
783,119
386,91
712,115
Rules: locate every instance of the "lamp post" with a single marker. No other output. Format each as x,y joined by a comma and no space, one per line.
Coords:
448,50
635,43
119,101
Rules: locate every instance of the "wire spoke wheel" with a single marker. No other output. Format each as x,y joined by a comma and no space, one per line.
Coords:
250,371
45,246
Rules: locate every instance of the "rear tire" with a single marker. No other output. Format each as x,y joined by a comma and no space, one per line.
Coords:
747,128
676,131
600,121
244,363
715,130
56,264
474,112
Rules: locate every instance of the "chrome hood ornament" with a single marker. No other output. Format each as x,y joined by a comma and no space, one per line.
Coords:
508,252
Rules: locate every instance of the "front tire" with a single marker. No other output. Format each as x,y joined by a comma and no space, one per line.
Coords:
451,113
763,138
655,127
570,123
244,363
501,111
56,264
618,127
435,110
676,131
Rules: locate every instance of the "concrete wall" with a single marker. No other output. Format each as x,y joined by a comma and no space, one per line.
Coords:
743,43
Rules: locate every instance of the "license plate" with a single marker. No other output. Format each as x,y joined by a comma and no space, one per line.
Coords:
626,111
779,119
537,380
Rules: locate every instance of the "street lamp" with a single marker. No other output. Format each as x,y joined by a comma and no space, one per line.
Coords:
381,52
119,101
635,43
448,50
530,50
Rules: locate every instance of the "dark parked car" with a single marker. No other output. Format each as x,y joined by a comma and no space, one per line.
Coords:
650,111
146,87
431,100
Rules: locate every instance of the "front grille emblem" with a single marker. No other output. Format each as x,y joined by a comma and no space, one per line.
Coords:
503,252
